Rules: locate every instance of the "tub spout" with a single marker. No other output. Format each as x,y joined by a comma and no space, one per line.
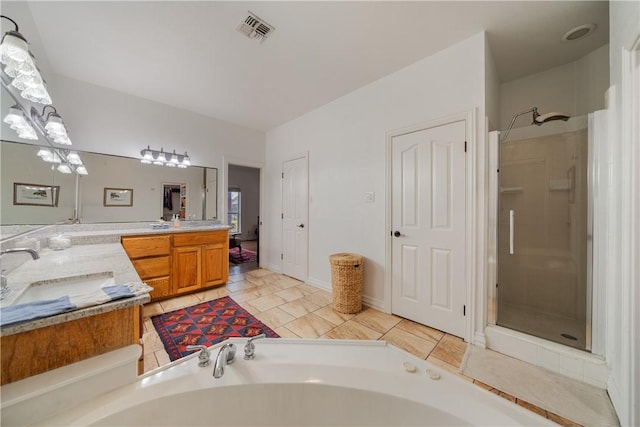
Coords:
226,356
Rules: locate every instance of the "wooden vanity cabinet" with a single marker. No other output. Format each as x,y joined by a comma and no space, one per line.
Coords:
151,257
200,260
175,264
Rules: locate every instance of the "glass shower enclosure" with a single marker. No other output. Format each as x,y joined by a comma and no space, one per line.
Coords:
543,229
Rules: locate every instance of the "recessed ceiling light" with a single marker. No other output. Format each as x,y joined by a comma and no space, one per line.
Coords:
578,32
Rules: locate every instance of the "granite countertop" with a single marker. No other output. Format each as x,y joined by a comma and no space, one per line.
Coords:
74,261
81,236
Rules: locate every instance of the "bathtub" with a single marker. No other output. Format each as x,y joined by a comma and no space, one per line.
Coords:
299,383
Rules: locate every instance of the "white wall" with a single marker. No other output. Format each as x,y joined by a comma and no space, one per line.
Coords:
346,143
492,89
623,240
248,181
576,88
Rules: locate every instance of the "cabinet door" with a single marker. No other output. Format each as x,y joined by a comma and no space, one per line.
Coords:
215,264
161,287
186,269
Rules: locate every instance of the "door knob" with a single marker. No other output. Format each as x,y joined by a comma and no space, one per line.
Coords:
397,233
301,225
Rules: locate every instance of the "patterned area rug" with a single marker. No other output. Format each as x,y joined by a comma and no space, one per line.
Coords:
207,323
237,257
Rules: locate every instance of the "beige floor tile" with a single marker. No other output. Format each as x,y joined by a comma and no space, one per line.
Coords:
328,313
236,278
562,421
243,296
267,302
450,349
258,273
162,357
148,325
377,320
300,307
307,289
152,309
409,342
266,290
151,342
179,302
242,285
274,317
291,294
285,282
284,332
353,331
533,408
251,309
150,362
309,326
320,298
421,331
215,293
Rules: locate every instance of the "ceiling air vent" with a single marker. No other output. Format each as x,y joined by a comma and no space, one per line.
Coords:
255,28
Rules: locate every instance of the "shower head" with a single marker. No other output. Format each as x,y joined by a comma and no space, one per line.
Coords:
538,119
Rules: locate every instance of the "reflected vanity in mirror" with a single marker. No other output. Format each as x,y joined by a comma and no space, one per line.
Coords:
82,197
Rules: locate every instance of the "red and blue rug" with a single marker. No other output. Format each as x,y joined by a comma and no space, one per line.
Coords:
238,256
206,323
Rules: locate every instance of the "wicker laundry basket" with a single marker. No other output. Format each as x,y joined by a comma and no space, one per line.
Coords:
346,282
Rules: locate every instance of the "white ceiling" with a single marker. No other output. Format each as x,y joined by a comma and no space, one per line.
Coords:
189,54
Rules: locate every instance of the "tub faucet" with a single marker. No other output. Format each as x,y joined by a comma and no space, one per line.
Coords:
4,288
250,348
203,357
226,356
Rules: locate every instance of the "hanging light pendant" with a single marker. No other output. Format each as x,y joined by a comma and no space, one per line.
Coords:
16,120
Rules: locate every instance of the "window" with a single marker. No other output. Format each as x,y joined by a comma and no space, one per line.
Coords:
233,210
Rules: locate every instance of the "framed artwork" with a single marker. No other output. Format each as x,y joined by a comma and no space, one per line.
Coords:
35,194
118,197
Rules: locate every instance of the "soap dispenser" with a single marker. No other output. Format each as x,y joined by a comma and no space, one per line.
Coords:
176,221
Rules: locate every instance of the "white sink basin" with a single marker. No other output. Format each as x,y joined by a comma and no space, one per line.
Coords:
72,285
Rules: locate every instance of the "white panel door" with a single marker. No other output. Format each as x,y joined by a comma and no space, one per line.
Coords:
428,220
294,218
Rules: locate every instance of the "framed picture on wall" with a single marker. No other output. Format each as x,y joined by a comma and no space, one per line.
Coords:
35,194
118,197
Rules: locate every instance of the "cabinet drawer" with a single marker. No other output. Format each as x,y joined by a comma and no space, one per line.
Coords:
161,287
152,267
204,238
138,247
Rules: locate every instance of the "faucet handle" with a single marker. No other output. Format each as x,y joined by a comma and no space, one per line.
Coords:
203,357
249,347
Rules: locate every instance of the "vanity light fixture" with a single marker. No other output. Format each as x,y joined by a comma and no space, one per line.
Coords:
19,65
171,160
64,168
15,119
54,126
74,158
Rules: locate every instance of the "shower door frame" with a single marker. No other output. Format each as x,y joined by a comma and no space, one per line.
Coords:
595,320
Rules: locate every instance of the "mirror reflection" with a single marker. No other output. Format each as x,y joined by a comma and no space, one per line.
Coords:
142,187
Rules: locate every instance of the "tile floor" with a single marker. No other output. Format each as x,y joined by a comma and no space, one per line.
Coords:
294,309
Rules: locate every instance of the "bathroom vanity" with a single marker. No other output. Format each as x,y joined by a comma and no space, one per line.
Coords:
172,261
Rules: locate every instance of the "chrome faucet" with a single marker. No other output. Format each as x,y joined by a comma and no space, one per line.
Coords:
4,287
203,357
33,253
250,348
226,356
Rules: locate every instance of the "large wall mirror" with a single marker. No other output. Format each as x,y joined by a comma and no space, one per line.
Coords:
117,189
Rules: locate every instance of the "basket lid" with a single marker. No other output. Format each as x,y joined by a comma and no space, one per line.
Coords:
345,258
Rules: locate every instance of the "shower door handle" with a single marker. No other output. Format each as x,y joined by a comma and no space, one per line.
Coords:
511,226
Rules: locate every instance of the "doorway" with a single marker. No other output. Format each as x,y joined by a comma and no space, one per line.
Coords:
429,226
174,201
243,213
